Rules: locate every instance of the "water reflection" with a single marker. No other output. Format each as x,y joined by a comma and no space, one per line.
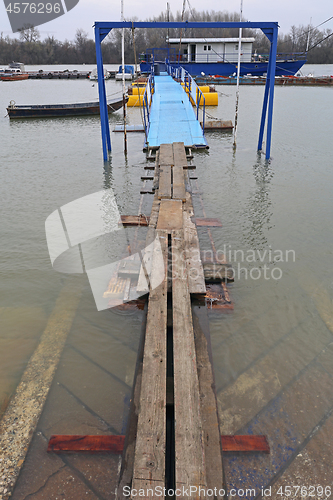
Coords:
258,209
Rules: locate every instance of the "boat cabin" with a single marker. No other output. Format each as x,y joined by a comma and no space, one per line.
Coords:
16,67
212,50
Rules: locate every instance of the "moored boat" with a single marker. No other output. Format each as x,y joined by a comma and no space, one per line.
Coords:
93,75
13,77
128,72
14,72
60,110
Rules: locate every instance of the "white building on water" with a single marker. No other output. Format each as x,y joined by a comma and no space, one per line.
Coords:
203,50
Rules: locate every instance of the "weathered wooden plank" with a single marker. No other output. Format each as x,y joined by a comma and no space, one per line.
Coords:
218,125
164,186
196,278
208,403
206,221
179,154
218,272
134,220
126,472
100,443
149,461
245,443
178,183
170,216
147,177
129,268
165,155
147,191
189,445
146,263
147,253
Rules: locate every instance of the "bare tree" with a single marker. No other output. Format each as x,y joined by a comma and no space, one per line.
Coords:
29,33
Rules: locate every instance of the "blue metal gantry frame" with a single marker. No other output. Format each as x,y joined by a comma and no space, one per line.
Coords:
102,29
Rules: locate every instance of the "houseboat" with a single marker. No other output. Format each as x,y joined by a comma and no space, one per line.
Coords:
219,56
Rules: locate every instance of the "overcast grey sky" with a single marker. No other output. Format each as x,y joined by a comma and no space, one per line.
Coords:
285,12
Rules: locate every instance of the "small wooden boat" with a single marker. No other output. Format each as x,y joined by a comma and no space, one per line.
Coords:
13,77
54,110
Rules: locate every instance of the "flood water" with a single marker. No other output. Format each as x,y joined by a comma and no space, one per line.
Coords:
277,234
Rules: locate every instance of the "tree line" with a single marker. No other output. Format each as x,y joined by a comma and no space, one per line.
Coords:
30,49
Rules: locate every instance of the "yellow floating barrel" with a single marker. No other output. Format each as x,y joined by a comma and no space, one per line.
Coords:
135,100
211,99
204,88
138,90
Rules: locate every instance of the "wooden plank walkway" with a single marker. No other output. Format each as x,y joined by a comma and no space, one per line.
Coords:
170,226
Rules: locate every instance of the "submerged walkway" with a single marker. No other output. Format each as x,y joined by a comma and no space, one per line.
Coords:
172,118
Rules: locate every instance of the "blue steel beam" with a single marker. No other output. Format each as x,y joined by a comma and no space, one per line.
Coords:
268,95
270,29
109,25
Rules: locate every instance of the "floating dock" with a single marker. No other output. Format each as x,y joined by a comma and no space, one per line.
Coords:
172,118
261,80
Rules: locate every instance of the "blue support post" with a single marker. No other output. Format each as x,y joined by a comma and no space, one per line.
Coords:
106,141
263,115
272,60
269,94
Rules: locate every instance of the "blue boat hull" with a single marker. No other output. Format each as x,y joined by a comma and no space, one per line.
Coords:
226,69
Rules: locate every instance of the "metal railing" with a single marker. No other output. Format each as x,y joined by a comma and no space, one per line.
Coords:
194,93
147,101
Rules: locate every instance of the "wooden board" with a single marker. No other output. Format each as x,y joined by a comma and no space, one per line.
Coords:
178,183
218,125
147,253
164,187
147,191
149,461
179,154
189,445
170,215
75,443
196,278
218,272
206,222
245,443
165,155
208,403
134,220
126,472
